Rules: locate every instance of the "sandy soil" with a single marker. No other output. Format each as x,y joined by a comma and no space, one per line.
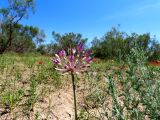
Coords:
57,105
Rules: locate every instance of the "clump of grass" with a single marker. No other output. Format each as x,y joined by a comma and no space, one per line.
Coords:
10,99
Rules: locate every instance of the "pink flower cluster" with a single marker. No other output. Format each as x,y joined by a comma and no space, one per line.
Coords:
77,61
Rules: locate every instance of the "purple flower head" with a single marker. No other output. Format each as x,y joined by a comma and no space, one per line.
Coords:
77,61
62,53
80,47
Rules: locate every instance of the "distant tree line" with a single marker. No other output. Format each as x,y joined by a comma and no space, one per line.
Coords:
117,45
20,38
113,45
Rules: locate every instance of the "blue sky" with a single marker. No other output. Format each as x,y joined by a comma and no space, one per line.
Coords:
95,17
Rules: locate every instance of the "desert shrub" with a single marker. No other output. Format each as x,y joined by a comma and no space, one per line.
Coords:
126,94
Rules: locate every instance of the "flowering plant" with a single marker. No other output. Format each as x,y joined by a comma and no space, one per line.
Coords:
77,61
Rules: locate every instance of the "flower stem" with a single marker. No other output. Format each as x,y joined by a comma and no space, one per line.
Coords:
74,95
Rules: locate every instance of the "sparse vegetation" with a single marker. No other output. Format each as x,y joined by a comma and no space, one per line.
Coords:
109,90
116,78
